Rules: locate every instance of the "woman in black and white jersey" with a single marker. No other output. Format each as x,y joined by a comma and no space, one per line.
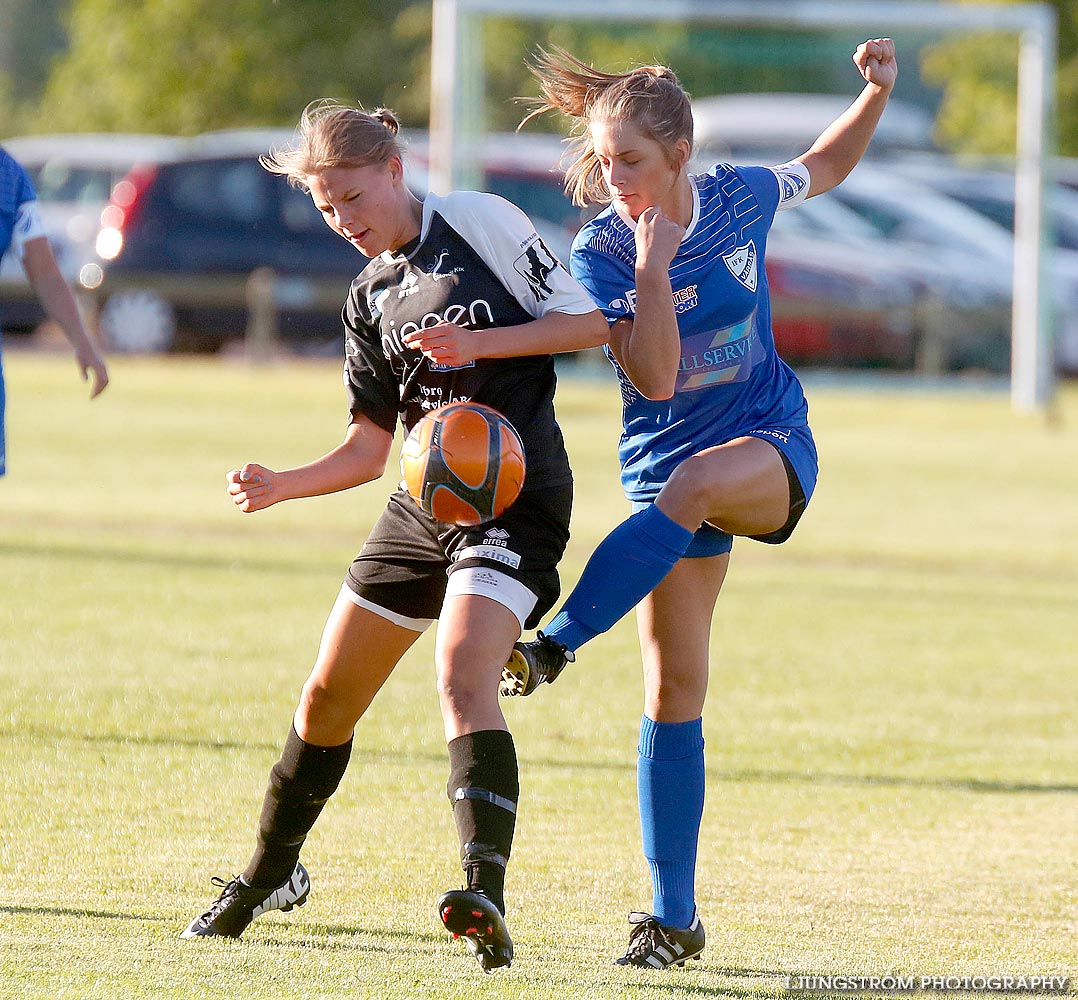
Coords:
461,300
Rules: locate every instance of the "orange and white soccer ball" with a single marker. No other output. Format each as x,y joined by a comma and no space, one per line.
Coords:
463,463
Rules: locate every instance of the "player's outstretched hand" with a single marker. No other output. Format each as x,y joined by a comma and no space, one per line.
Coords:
877,63
251,488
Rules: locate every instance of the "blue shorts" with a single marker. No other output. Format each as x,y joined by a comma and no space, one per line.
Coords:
798,451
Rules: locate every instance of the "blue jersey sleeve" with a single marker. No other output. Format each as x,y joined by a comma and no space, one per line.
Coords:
609,280
15,191
764,184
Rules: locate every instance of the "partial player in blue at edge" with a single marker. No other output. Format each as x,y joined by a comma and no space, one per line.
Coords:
22,231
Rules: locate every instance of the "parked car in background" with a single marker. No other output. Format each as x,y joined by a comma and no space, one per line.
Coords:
829,310
958,302
1065,171
914,213
181,238
991,193
73,176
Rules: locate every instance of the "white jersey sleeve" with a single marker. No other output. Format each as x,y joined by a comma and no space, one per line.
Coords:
504,237
794,181
28,226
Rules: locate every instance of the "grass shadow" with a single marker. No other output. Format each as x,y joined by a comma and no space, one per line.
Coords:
746,776
60,911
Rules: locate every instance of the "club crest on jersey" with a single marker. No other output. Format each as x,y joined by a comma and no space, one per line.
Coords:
742,264
535,265
790,185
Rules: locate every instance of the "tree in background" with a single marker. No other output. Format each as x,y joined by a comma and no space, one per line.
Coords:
30,37
979,77
185,66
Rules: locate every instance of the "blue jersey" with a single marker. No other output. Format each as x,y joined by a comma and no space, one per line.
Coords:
15,192
730,380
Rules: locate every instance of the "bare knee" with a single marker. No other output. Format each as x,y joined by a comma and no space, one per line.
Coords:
461,688
689,495
321,717
674,696
466,682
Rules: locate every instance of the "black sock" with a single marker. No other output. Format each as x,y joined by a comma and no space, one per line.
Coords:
483,787
300,784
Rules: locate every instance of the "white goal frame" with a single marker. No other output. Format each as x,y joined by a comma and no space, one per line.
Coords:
457,113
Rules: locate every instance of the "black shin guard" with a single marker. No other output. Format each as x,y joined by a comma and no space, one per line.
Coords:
483,787
300,784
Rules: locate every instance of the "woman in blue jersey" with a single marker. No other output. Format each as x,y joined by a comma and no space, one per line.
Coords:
716,441
22,231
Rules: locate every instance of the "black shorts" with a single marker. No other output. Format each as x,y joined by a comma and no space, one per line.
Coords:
404,565
798,503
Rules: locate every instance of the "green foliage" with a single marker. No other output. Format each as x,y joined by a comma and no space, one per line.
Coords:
8,112
188,65
979,75
890,728
185,66
30,36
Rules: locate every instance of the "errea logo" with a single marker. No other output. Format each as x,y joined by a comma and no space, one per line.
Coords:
409,285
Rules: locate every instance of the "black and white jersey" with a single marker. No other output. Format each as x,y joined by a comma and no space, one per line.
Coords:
478,263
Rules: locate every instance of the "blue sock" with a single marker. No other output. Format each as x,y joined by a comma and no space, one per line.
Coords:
670,786
628,564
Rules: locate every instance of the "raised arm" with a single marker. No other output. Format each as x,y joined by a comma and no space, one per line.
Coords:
359,459
839,149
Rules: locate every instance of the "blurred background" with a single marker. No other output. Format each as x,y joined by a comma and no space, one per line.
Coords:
141,124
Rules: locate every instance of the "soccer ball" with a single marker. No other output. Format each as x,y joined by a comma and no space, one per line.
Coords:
464,463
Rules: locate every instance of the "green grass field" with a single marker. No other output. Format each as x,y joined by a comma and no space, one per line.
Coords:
891,736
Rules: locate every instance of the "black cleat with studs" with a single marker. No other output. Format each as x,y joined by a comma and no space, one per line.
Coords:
473,917
534,663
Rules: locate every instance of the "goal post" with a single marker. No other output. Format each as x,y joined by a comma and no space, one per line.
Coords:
458,117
